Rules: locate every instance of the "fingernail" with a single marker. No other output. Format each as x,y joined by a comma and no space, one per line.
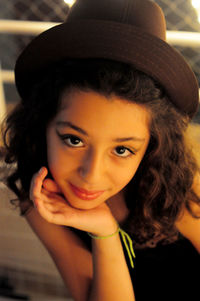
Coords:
41,170
35,205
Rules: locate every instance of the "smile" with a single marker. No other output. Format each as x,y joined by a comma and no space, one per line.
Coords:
85,195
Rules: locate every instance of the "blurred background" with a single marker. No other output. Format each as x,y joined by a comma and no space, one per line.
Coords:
26,270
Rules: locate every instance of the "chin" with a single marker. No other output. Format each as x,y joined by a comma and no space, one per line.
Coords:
84,206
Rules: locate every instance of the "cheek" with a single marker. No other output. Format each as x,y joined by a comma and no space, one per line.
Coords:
124,176
55,159
52,156
57,163
61,164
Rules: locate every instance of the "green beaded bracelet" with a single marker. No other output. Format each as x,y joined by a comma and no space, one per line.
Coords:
103,237
125,238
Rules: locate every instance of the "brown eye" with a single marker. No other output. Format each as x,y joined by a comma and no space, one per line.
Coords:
124,151
71,140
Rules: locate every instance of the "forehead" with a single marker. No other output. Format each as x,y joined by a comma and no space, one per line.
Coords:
95,112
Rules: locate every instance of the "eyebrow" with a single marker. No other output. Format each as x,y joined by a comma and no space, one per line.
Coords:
78,129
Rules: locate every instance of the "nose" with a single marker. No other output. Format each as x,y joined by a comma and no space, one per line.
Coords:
91,168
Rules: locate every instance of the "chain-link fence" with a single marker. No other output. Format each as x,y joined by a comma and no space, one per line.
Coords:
180,15
37,10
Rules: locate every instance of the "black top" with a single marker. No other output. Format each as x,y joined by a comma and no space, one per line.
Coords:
166,272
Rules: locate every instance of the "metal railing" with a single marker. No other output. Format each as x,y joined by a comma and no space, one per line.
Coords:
180,38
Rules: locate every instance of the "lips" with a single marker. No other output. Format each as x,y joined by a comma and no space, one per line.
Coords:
85,194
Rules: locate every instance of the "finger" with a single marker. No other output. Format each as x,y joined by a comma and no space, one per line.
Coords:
53,207
44,210
36,183
53,213
54,198
51,186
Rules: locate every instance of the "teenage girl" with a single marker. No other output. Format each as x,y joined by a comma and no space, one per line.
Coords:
104,173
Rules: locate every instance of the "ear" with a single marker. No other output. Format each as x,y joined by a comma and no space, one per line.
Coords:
51,186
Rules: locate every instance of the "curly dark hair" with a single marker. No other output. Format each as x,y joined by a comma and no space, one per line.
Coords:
162,184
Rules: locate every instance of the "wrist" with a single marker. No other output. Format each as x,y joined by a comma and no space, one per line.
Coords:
107,235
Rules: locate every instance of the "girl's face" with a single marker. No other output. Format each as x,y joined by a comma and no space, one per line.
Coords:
95,144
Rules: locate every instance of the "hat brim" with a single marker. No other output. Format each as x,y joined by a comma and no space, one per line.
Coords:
116,41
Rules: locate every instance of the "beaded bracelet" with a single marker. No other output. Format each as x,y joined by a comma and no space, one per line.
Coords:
103,237
125,238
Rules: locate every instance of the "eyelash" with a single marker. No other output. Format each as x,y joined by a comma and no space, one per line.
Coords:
67,136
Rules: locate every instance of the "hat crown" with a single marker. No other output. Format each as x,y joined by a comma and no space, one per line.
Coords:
128,31
145,14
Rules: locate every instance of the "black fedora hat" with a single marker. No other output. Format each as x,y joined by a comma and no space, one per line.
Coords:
130,31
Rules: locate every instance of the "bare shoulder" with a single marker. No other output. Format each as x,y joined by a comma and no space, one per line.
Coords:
68,251
190,228
188,225
196,185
